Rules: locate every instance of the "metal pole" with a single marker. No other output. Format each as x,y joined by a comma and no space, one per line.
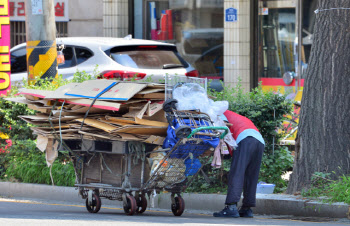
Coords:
41,40
300,41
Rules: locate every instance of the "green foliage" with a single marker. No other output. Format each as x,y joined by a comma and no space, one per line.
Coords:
53,84
274,165
11,125
25,163
217,177
329,190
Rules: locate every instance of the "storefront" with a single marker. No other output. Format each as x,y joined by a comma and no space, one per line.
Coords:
251,41
281,61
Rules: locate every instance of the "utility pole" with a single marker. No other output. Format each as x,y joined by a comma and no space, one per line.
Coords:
41,40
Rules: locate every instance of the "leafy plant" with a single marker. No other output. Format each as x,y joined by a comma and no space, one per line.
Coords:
25,163
322,187
21,160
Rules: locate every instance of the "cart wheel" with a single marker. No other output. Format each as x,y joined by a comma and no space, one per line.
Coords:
95,204
169,104
130,206
141,204
179,206
183,132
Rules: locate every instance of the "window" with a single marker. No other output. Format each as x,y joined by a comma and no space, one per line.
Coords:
19,60
18,31
82,54
195,26
277,40
147,58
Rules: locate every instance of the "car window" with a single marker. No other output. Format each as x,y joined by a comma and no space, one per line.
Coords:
19,60
82,54
68,57
144,57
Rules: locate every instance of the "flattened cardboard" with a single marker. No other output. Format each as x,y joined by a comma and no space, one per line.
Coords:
119,92
51,152
149,130
107,136
98,124
150,96
156,85
123,91
159,116
154,107
113,123
41,142
21,100
155,140
112,106
82,109
136,111
150,122
90,88
35,92
122,120
59,93
150,90
38,108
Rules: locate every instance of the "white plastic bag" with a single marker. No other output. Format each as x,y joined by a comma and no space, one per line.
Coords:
191,96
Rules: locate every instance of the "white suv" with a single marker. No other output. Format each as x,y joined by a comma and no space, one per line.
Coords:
121,58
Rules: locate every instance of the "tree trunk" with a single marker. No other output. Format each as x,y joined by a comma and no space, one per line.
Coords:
323,143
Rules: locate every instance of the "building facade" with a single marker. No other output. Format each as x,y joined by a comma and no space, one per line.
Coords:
246,41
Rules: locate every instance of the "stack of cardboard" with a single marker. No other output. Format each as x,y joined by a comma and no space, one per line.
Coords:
125,111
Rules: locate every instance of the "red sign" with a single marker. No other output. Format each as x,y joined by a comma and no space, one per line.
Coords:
17,10
5,65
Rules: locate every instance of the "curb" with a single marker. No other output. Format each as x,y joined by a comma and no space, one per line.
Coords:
274,204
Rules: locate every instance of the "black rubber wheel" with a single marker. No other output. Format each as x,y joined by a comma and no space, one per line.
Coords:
178,207
169,104
130,206
95,204
183,132
141,204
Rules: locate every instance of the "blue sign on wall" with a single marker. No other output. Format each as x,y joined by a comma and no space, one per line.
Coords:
231,15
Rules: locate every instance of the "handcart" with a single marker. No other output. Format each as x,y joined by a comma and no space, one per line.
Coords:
127,171
180,166
119,170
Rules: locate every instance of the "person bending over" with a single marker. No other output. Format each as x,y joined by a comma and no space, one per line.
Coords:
245,167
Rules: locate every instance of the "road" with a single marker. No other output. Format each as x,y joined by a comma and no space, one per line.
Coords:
35,212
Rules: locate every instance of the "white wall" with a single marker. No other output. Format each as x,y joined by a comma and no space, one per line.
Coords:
85,18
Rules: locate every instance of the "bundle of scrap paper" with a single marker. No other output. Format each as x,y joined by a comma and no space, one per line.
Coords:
126,111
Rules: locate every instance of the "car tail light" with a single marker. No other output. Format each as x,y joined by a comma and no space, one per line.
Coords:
147,47
123,75
193,73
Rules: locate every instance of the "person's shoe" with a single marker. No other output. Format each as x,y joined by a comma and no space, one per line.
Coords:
245,212
228,211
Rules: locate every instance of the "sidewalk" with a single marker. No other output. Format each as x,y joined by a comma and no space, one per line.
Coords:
275,204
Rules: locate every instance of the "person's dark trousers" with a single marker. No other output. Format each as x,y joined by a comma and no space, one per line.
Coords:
244,172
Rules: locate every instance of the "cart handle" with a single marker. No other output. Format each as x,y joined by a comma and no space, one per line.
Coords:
210,128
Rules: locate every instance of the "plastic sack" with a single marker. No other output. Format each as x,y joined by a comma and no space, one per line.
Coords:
192,166
191,96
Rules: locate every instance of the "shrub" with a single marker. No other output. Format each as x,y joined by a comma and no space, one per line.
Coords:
23,161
